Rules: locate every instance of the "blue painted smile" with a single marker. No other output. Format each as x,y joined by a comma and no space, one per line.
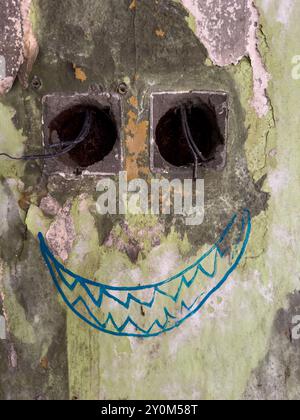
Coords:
150,310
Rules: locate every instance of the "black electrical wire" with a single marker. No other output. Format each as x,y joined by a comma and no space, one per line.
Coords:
186,132
197,154
70,145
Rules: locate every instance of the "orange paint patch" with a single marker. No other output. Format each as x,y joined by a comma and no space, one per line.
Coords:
132,5
136,143
160,33
44,363
133,101
80,74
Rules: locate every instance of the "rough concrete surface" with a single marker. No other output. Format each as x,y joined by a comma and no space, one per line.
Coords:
239,345
18,45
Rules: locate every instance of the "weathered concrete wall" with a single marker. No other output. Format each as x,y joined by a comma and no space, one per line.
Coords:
239,345
18,44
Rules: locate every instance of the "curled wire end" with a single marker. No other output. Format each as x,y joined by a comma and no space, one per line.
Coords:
68,146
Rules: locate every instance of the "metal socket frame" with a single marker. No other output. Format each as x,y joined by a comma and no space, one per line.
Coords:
162,102
55,104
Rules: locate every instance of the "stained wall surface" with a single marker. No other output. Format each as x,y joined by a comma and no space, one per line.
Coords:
242,344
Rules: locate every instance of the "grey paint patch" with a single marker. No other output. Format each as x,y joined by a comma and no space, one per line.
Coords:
23,376
17,42
61,234
50,206
11,44
2,328
2,67
229,32
278,376
223,28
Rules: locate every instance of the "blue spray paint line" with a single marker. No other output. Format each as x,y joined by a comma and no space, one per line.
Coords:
89,310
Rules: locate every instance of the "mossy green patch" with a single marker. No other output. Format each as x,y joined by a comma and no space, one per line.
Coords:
17,323
86,246
37,222
11,142
261,131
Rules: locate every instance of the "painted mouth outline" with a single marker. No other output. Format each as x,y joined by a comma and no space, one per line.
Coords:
105,289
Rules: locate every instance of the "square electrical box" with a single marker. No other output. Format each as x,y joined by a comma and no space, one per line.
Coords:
84,133
188,128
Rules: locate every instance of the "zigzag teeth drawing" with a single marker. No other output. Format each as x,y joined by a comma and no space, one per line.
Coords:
191,274
95,292
118,297
125,299
121,324
165,305
70,281
131,329
209,264
81,309
172,290
128,325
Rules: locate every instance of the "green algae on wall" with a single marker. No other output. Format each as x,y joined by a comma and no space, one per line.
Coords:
213,355
11,142
282,249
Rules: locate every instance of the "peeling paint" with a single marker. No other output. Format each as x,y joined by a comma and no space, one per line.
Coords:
20,47
61,233
50,206
136,135
261,77
229,32
79,74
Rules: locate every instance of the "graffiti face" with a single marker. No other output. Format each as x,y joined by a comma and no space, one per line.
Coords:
138,89
182,137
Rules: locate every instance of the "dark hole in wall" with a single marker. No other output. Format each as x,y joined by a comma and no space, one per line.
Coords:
101,138
172,142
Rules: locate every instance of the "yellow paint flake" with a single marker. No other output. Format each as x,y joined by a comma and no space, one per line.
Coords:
80,74
136,143
132,5
133,101
160,33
